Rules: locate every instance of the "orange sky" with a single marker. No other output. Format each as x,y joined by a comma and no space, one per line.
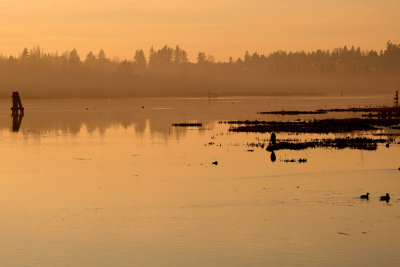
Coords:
221,28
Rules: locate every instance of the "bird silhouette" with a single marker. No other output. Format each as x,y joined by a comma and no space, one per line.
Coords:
385,197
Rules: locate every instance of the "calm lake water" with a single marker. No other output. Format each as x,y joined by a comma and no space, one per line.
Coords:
110,182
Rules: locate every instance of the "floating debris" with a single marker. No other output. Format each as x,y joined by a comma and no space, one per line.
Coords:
343,233
289,160
188,124
80,158
261,145
301,160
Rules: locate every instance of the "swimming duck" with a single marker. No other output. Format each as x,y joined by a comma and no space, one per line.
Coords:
385,198
366,196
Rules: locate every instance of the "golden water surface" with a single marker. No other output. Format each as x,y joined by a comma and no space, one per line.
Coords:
109,182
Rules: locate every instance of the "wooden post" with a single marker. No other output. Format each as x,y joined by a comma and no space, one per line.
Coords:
396,99
17,104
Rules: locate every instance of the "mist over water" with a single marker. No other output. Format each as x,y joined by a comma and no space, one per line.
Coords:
167,72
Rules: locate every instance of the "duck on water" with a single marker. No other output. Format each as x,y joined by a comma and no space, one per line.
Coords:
385,197
366,196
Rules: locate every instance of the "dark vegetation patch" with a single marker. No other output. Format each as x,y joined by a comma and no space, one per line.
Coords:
187,124
384,113
373,111
338,143
386,134
381,115
292,112
313,126
364,109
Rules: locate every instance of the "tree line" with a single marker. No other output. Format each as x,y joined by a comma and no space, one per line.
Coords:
168,70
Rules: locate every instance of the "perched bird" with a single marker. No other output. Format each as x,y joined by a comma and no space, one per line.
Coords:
385,198
366,196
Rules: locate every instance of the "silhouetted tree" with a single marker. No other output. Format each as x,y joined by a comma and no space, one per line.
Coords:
201,58
161,59
25,54
140,62
180,55
90,57
102,56
125,67
74,59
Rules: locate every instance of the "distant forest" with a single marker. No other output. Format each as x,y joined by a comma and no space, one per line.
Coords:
168,72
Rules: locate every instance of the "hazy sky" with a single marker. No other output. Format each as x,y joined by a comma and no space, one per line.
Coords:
220,27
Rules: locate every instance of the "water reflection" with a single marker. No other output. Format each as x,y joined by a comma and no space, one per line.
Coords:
98,115
17,119
72,122
273,156
273,139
